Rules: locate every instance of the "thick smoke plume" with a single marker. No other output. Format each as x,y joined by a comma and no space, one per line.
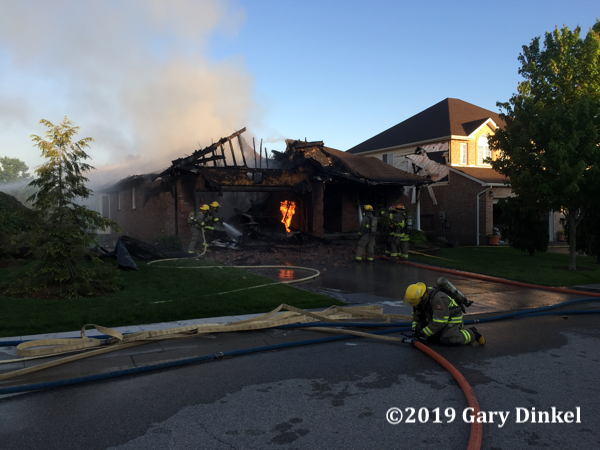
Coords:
136,76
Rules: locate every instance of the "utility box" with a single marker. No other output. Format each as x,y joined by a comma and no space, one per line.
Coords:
442,215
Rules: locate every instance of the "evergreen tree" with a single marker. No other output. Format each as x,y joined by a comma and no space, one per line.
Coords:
62,240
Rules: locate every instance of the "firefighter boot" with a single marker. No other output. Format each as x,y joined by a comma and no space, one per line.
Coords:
478,337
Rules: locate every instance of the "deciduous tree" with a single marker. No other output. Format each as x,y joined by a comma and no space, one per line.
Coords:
12,169
550,147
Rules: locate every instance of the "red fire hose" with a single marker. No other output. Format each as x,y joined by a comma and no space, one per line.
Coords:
476,428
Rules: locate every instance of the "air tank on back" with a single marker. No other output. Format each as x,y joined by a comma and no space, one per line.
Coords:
454,292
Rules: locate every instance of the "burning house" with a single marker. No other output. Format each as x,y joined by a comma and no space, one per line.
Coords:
308,188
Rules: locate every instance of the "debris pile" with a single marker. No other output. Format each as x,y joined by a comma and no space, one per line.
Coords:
315,254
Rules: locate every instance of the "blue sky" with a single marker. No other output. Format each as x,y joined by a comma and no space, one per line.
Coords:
152,80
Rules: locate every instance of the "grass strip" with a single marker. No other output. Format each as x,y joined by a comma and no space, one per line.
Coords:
155,293
545,269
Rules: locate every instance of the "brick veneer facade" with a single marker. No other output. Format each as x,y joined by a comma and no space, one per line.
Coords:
458,201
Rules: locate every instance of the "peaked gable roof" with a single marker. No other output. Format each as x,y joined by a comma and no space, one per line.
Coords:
446,118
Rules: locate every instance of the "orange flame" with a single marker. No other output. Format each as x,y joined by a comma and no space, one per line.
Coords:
287,209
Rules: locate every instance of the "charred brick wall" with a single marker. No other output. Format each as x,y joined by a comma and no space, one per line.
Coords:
317,212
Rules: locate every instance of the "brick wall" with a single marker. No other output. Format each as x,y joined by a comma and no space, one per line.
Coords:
471,147
317,213
152,215
458,200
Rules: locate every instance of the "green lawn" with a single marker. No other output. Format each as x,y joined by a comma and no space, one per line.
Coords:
544,269
155,294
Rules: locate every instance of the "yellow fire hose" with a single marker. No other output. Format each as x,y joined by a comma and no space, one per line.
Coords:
282,315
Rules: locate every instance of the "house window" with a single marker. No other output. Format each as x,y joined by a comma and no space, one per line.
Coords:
132,198
388,158
483,149
463,153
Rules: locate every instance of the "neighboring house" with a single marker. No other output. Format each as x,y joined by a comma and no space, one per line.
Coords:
449,142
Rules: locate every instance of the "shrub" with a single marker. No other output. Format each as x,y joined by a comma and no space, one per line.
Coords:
417,237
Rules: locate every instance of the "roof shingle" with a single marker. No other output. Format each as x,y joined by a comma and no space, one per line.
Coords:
448,117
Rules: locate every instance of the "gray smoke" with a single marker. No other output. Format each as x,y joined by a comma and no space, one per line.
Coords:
133,75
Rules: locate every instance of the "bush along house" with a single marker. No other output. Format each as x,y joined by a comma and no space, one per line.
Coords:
448,142
308,189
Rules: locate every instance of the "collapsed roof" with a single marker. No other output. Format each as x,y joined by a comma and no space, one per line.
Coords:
337,164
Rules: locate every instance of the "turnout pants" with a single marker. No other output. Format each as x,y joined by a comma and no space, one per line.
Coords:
454,335
366,241
196,239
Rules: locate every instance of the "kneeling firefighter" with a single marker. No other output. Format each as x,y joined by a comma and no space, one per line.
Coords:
437,317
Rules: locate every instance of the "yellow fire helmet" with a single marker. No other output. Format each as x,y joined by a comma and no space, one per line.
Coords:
204,207
414,293
368,208
215,205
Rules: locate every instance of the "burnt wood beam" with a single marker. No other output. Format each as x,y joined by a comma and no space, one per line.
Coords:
197,164
211,148
242,149
232,153
223,154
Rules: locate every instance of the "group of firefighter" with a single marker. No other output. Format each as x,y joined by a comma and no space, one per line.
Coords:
398,226
203,224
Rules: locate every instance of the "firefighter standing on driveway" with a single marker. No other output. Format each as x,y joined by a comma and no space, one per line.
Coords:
402,233
397,226
437,317
196,221
368,228
211,219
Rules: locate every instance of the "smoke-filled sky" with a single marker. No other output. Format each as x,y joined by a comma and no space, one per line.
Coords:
154,80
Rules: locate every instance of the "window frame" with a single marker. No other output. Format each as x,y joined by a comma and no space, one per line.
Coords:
386,158
464,154
483,151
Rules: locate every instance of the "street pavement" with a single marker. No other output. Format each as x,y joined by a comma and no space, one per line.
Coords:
332,395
